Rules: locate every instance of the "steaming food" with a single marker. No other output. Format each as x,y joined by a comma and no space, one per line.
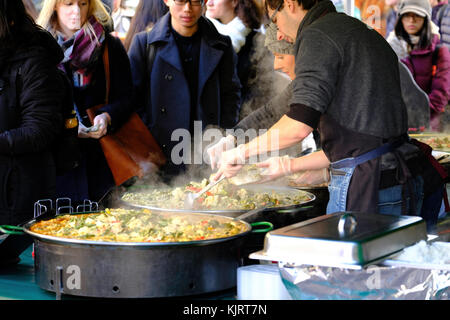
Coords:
224,196
248,174
437,143
120,225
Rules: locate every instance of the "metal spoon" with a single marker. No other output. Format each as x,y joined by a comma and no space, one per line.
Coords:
191,197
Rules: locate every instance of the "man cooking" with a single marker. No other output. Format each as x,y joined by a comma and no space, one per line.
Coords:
347,86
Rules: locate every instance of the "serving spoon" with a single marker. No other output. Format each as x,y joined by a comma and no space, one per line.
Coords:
191,197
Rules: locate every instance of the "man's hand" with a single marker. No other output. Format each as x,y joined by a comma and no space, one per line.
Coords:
231,162
275,167
311,177
215,152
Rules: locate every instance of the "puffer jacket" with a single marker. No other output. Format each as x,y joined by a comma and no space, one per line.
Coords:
30,119
442,20
435,84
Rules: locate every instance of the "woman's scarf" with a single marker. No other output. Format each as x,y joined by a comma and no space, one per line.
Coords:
235,29
400,46
82,50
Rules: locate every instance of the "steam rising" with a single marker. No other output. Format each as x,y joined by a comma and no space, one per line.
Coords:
265,84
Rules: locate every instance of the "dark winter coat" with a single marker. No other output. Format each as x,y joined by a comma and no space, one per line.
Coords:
30,120
246,69
93,178
168,107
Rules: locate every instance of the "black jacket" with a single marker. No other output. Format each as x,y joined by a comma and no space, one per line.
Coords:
30,120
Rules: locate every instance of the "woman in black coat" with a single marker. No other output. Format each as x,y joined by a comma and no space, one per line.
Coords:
83,41
30,112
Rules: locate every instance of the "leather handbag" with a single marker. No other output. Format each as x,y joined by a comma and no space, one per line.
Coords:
131,151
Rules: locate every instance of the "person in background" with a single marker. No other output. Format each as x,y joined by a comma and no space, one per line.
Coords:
440,15
391,16
241,20
37,5
82,29
147,13
121,19
374,166
31,9
436,5
31,94
270,113
192,78
415,41
108,4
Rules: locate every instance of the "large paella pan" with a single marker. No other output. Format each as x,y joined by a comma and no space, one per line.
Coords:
136,253
222,198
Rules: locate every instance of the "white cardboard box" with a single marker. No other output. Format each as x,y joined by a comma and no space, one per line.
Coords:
260,282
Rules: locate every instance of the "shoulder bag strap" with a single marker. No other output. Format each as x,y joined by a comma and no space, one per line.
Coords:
434,60
91,112
107,71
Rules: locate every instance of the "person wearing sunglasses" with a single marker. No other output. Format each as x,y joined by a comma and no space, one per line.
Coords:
347,86
192,78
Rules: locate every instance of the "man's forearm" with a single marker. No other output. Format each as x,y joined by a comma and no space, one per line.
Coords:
312,161
283,134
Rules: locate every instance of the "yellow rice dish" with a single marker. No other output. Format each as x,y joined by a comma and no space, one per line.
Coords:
121,225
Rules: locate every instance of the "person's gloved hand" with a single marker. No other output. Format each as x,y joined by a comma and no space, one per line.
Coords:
275,167
310,177
216,150
231,162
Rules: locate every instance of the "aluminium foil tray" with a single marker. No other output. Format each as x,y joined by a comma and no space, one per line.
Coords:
344,239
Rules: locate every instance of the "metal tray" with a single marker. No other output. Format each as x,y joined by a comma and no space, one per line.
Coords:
343,239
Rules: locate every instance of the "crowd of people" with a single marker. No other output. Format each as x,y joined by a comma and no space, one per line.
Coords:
350,95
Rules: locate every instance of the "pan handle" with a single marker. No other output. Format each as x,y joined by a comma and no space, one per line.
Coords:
7,229
269,226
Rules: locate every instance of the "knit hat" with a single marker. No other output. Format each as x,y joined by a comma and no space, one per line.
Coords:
419,7
274,45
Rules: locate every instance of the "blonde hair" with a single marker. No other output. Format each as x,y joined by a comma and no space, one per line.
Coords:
49,21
